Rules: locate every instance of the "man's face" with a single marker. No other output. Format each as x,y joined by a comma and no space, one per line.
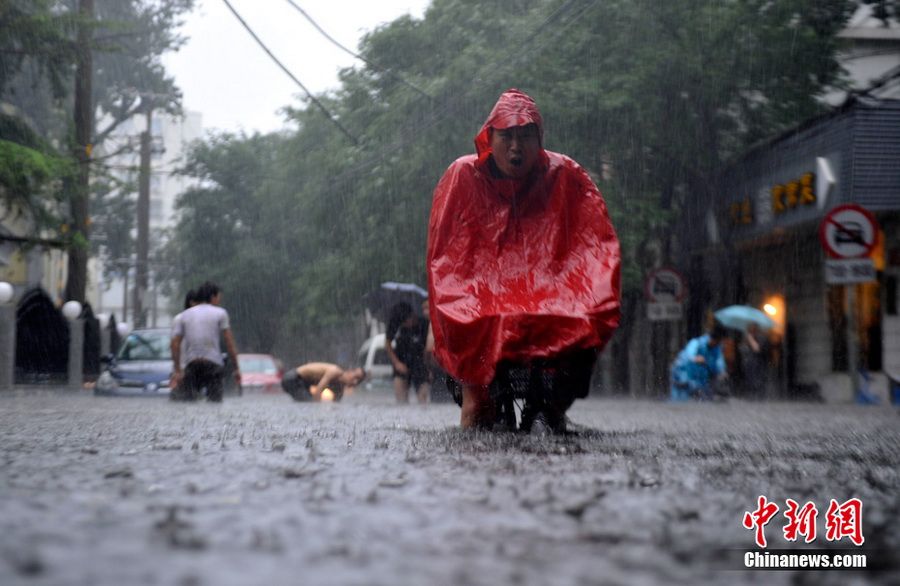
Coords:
351,378
516,149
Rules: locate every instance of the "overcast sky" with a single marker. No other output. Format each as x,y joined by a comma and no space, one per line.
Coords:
229,79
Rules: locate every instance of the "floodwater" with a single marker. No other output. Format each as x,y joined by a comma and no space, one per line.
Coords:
263,490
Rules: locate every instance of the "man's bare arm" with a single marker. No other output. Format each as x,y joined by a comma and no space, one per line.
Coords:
231,348
331,374
175,346
399,366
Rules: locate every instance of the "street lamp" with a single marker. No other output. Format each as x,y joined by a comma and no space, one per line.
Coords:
6,292
7,336
123,329
72,310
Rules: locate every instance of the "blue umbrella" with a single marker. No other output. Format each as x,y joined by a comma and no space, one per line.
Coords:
740,317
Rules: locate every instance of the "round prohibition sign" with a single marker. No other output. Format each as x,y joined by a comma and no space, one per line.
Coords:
664,285
848,231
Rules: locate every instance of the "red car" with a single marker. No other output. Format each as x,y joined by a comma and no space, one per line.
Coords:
260,373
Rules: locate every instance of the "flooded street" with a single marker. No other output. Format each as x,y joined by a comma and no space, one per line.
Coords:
261,489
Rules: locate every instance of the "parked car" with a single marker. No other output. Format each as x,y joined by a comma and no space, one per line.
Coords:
260,373
142,367
374,359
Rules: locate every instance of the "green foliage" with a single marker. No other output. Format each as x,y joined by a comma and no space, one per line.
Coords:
130,38
38,51
224,234
31,33
653,96
22,169
34,29
29,170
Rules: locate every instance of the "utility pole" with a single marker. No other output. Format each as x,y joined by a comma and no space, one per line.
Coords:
124,317
76,281
143,225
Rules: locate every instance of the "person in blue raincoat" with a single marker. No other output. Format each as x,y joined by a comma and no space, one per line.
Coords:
698,365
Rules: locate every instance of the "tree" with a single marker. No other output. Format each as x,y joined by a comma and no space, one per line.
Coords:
30,35
106,55
652,98
30,31
226,232
130,37
691,87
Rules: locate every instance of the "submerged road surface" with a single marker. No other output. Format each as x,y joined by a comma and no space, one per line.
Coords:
263,490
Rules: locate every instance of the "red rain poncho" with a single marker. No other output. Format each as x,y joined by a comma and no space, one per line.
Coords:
518,269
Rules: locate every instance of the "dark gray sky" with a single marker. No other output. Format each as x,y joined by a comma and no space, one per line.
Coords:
228,78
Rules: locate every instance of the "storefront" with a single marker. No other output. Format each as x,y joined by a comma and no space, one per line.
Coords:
772,204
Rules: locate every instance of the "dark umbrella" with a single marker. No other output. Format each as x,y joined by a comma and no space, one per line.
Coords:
380,301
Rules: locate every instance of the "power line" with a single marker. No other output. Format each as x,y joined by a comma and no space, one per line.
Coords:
452,105
360,57
311,97
566,14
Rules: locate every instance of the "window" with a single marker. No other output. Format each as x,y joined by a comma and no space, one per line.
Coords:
381,357
146,346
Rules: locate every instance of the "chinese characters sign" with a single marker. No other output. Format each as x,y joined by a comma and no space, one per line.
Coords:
841,520
783,198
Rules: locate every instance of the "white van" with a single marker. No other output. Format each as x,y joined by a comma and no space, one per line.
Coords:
373,357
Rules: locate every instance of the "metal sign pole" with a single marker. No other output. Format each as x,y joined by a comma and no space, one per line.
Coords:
849,234
852,339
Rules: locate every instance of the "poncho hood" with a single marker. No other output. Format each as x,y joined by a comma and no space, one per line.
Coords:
513,108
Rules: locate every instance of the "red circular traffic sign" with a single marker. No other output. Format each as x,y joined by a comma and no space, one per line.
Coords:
848,231
664,285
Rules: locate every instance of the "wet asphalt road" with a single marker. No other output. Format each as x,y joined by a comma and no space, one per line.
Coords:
263,490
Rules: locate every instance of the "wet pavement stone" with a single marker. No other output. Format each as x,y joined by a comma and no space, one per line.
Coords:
263,490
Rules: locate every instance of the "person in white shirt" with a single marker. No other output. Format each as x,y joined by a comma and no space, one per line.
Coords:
196,355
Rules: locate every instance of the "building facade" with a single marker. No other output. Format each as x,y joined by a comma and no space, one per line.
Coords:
772,208
171,137
756,240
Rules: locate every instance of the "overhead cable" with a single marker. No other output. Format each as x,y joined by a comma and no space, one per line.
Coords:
309,94
360,57
567,14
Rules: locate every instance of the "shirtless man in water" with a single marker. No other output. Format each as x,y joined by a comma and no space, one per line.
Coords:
308,382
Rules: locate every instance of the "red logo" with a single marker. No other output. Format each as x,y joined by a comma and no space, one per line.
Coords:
841,520
844,520
759,518
800,522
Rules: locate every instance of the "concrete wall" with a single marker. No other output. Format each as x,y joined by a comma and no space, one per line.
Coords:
805,295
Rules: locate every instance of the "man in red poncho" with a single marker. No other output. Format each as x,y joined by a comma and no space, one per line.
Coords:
523,261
